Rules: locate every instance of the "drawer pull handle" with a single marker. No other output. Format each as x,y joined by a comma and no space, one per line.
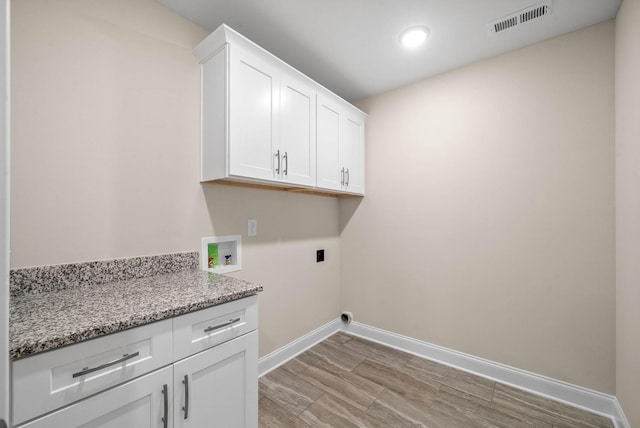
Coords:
186,396
165,418
88,370
216,327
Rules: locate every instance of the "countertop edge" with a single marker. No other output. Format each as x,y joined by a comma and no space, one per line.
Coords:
25,345
29,349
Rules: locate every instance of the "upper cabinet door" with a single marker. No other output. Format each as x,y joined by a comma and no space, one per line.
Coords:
254,115
340,146
329,169
352,153
297,130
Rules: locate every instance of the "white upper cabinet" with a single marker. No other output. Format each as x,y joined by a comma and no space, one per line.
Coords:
340,146
261,121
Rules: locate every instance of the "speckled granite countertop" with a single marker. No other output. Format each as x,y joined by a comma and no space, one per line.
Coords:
50,319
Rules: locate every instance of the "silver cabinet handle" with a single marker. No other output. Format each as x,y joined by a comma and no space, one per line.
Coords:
286,163
277,155
88,370
165,418
342,176
347,182
216,327
186,396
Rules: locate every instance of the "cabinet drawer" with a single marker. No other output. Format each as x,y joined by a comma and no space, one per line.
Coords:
50,380
139,403
203,329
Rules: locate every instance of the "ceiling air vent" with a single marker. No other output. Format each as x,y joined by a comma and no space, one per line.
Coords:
531,13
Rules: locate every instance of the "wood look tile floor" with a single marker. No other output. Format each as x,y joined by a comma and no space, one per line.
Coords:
346,381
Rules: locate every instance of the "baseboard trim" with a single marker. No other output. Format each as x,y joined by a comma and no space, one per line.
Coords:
620,420
594,401
280,356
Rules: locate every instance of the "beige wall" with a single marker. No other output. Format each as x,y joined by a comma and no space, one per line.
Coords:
105,117
628,209
488,225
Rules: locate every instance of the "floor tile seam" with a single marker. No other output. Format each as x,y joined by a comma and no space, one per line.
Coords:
456,388
328,393
564,417
484,400
517,414
448,371
372,381
314,386
334,393
384,388
358,353
528,417
293,391
284,410
373,357
351,372
380,404
396,391
314,401
322,358
553,414
404,415
297,418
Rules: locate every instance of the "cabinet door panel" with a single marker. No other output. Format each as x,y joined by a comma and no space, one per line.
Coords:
254,93
297,134
222,386
328,143
352,149
138,403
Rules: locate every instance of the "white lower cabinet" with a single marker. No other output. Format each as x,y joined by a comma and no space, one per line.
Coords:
218,387
141,403
196,370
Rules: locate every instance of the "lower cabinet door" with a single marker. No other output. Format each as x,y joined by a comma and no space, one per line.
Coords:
218,387
140,403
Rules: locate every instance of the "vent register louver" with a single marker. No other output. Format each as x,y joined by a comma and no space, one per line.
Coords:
518,18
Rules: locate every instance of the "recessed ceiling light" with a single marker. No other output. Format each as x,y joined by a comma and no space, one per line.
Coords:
414,36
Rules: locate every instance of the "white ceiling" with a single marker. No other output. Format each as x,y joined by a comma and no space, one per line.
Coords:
352,46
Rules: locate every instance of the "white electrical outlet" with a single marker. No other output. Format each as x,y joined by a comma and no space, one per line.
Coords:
252,227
